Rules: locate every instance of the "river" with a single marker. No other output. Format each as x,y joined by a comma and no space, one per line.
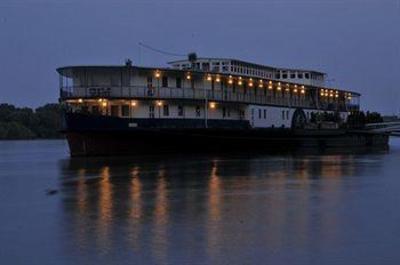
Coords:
197,209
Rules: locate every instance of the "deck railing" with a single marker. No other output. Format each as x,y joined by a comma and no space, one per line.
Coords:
280,98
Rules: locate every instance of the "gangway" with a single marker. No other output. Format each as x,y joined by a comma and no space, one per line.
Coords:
393,128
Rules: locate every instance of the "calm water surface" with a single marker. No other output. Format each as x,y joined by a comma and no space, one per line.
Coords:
222,209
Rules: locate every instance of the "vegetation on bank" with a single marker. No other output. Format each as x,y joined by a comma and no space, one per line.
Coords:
26,123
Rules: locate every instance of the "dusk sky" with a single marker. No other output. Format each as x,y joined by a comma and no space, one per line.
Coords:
357,42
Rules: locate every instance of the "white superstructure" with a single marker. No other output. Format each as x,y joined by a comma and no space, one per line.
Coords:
203,92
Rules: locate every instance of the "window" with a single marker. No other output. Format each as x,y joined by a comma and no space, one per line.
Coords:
287,115
223,112
292,75
241,114
164,81
277,76
180,111
114,110
151,111
165,110
259,113
149,81
95,110
265,113
125,110
179,82
300,75
284,76
307,76
197,111
283,115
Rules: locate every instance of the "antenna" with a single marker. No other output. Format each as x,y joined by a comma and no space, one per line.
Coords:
141,44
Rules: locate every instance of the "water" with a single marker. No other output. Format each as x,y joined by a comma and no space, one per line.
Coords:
315,209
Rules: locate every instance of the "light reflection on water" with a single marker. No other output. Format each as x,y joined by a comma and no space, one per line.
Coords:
206,209
212,209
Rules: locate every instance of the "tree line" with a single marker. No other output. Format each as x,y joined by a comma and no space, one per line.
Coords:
25,123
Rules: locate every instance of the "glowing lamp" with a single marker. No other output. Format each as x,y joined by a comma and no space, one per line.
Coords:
230,81
213,105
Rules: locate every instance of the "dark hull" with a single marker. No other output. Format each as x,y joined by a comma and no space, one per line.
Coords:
88,136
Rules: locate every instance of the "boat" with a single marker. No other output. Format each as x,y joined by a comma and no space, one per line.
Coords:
205,104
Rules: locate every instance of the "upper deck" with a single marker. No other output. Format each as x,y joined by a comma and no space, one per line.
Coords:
132,82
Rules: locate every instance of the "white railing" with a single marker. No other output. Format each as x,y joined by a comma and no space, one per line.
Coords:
280,98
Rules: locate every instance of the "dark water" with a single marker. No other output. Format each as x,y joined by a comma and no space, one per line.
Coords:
315,209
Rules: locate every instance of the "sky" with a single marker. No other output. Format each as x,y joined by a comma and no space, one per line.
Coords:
357,42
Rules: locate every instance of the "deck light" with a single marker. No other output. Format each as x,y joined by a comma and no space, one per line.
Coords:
188,77
209,78
230,81
158,74
159,103
303,90
104,104
279,88
240,82
218,79
100,100
80,100
295,90
251,82
270,85
133,103
213,105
